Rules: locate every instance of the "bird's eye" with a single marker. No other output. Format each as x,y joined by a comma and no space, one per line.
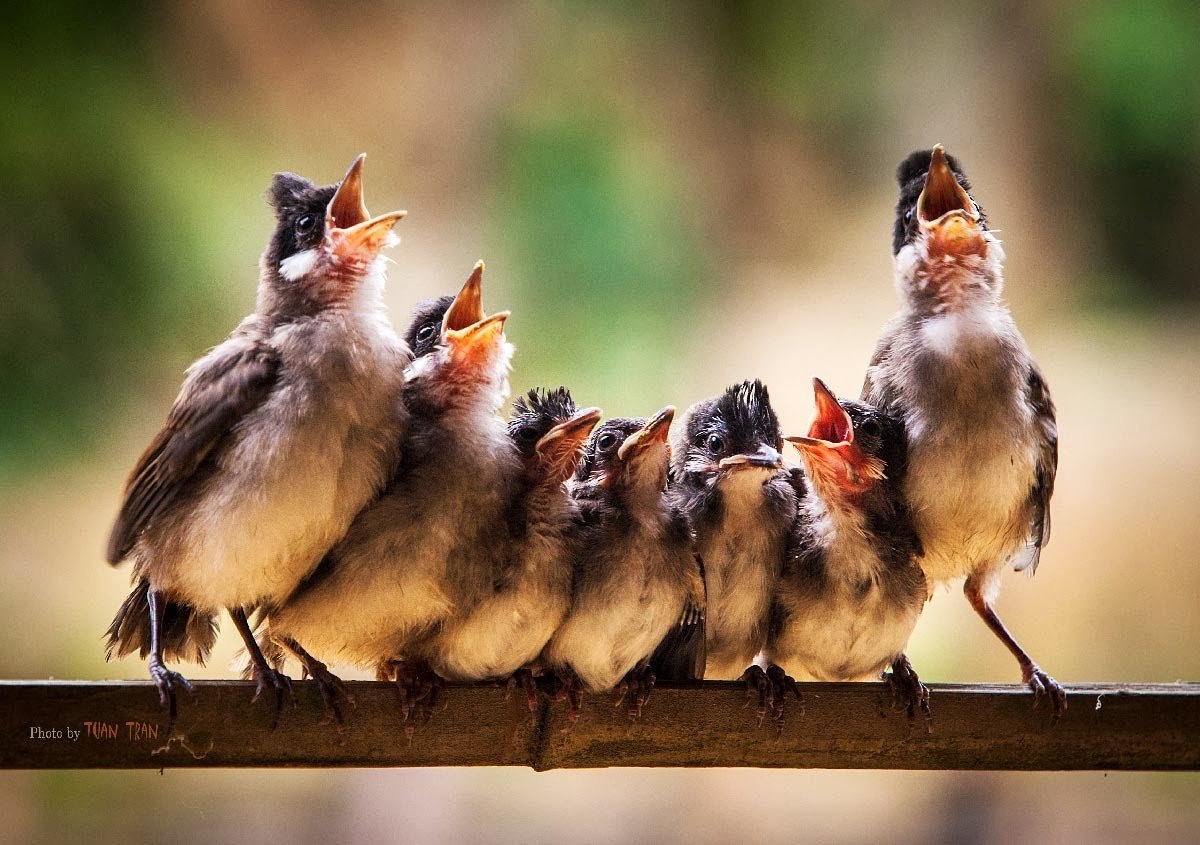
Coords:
305,224
527,433
869,428
606,441
908,214
715,443
425,332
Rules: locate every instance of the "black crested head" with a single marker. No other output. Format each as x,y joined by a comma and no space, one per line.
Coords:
535,413
299,215
738,422
911,175
425,327
600,453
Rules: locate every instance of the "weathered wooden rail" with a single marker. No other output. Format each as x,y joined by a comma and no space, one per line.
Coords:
118,725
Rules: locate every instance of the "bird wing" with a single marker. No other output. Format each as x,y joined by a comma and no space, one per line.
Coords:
684,650
871,391
1045,470
233,380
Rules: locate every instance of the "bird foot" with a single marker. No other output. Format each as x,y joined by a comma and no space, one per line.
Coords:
524,678
636,686
1043,686
908,692
331,688
418,688
265,678
167,682
568,688
772,686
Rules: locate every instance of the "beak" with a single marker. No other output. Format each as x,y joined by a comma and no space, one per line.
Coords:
348,224
653,432
829,448
465,323
559,448
764,457
947,212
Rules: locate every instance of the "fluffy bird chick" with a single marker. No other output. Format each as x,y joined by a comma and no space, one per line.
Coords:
529,557
728,478
278,438
851,590
406,562
636,576
983,441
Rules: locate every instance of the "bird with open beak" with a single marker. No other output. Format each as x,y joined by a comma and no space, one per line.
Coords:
729,479
410,558
279,436
528,556
983,440
636,575
851,590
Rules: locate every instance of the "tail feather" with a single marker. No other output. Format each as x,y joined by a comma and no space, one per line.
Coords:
187,634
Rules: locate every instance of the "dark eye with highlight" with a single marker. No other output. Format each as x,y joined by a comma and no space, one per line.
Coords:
714,443
426,332
869,428
306,224
606,441
909,213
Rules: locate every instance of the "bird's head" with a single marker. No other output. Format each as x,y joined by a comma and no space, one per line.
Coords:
550,433
629,455
326,248
470,359
844,450
733,437
945,255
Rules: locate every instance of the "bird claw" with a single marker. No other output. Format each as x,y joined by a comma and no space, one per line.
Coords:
166,681
418,688
266,678
909,693
771,686
525,679
1043,686
331,688
569,689
637,686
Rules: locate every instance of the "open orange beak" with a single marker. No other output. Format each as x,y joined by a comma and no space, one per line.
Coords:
830,453
354,235
560,448
946,212
465,326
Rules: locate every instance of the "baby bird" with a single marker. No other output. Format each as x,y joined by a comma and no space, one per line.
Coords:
279,436
729,480
529,556
983,441
851,590
636,575
408,560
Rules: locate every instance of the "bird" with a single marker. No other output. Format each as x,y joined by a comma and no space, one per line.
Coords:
729,479
982,429
530,553
851,590
279,436
636,575
412,555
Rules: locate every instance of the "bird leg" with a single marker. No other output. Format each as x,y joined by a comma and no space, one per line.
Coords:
261,671
771,686
330,685
1032,675
164,679
524,678
418,688
907,689
636,686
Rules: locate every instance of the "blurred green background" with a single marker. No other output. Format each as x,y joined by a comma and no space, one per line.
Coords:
669,198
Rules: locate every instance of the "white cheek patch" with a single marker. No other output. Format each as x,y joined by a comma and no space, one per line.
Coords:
296,267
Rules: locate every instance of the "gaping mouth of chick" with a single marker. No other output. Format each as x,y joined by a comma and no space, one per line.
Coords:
942,194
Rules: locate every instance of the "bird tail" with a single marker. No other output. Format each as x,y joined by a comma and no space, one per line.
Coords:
187,634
